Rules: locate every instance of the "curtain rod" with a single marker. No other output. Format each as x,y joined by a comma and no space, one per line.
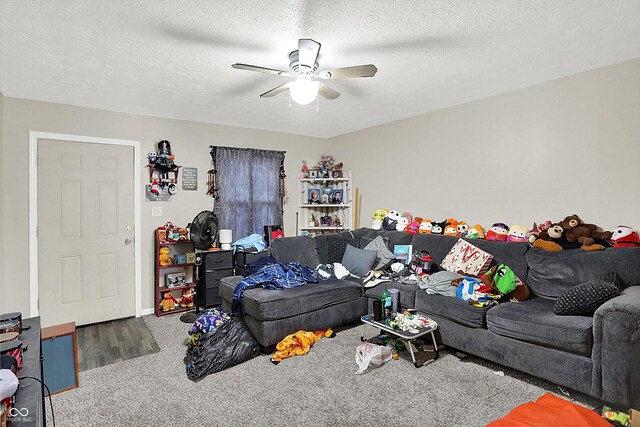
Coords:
246,148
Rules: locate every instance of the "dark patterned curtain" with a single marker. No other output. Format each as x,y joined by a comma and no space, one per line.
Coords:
248,189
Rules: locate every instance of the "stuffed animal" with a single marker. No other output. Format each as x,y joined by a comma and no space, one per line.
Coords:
498,232
518,233
168,302
377,217
164,257
550,240
463,229
438,227
187,298
476,232
404,221
414,226
576,230
425,226
451,229
624,236
390,220
183,234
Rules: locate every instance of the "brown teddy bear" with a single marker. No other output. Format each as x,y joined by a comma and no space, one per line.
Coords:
576,230
551,239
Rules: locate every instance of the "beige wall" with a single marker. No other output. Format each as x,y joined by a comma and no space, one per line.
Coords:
567,146
2,294
190,144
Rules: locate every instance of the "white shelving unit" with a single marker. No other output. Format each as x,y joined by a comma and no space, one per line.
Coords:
325,214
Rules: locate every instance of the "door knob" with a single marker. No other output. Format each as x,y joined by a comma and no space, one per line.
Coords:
127,241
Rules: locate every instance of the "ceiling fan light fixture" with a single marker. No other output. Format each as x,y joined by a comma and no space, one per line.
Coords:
304,90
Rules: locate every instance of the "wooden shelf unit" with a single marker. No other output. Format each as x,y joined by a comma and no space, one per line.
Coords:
176,247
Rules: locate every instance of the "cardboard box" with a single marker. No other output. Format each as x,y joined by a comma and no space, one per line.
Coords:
634,421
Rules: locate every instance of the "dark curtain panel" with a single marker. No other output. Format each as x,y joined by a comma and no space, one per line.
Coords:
248,184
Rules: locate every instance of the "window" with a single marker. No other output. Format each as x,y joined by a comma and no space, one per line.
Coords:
249,193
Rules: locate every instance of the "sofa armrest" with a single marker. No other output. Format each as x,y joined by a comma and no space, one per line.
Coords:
616,349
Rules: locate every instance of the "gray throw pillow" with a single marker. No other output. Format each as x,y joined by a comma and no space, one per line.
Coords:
364,241
584,299
384,257
358,261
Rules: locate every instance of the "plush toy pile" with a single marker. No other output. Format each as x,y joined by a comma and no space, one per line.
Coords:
570,233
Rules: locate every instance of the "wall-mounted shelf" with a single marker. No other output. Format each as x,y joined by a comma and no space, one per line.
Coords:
329,212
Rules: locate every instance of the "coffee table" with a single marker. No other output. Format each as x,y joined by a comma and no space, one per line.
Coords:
406,336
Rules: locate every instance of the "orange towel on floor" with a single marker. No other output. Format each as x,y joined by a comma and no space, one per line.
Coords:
298,344
550,410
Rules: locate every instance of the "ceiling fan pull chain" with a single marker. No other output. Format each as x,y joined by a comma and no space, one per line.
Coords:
317,103
289,99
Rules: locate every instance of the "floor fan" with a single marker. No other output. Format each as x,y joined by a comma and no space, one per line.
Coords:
204,235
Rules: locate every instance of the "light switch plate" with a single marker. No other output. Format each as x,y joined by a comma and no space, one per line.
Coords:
156,211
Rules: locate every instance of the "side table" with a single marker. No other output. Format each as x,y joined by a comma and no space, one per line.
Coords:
405,336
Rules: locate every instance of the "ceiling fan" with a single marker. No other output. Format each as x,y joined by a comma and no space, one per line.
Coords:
303,64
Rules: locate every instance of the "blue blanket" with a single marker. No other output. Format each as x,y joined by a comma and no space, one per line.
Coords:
273,276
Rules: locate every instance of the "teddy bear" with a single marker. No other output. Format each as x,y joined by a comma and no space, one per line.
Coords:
164,257
187,298
168,302
624,236
576,230
550,239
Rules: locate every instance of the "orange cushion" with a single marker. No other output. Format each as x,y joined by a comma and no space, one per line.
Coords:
550,410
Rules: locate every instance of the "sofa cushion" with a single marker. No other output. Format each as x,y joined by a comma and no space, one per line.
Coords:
301,249
553,273
451,308
358,261
384,257
584,299
322,243
511,254
395,237
407,292
336,246
535,322
267,304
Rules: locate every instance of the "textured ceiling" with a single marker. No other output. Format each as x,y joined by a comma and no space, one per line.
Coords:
172,58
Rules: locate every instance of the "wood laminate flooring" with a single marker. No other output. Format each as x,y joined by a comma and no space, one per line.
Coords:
110,342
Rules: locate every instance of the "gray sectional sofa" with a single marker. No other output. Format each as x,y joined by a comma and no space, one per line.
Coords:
598,355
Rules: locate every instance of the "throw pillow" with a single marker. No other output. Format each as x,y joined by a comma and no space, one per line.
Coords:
358,261
384,257
467,258
364,241
336,247
584,299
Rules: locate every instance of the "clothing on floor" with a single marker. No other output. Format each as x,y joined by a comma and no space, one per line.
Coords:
273,276
299,344
208,321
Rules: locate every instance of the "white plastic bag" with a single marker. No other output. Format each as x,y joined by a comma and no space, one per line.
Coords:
371,354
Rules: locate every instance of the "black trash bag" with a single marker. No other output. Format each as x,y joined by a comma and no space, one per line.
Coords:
229,344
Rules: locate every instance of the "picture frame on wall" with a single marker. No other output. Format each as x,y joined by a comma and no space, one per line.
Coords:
313,196
336,174
337,197
313,173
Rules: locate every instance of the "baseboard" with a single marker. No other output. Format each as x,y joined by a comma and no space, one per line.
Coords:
146,311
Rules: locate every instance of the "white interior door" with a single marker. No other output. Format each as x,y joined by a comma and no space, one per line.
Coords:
85,232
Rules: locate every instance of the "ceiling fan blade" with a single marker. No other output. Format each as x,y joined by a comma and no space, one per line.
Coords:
260,69
327,92
368,70
308,51
276,90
